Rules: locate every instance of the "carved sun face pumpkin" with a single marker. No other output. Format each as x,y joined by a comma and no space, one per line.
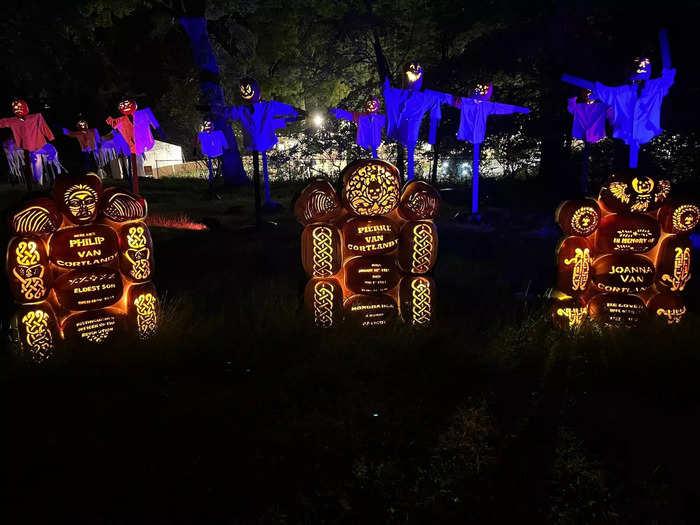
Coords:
372,105
81,200
20,108
127,107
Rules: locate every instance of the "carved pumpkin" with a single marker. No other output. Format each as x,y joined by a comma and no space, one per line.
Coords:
623,273
93,326
318,202
417,300
617,310
119,205
28,269
569,312
574,259
418,246
136,252
370,310
78,197
627,234
578,217
82,246
89,288
143,309
363,236
667,307
323,299
419,200
370,187
679,217
673,263
372,274
37,216
634,192
35,329
321,250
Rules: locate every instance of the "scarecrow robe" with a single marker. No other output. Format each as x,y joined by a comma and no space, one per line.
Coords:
213,143
369,127
89,140
32,134
137,133
589,120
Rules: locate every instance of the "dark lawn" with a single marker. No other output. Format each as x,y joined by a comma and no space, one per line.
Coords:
239,413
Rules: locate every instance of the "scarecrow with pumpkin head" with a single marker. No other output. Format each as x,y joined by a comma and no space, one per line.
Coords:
369,124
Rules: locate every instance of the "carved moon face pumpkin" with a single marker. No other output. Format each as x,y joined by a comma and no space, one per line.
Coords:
127,107
20,108
249,90
370,187
372,105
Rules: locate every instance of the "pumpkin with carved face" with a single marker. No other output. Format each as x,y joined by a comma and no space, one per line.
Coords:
413,76
370,187
642,69
20,108
207,125
127,107
372,105
634,192
482,91
82,125
78,196
249,90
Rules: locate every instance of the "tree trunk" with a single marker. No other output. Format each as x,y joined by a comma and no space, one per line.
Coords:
213,95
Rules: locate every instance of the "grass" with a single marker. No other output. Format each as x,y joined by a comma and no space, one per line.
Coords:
238,412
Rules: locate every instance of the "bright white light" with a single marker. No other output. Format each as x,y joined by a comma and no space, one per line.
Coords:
318,120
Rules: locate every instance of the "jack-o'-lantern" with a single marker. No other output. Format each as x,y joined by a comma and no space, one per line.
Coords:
569,312
362,236
20,108
82,125
370,310
207,125
617,310
578,217
370,187
413,76
317,202
249,90
418,246
321,247
82,246
143,309
35,331
37,216
627,234
417,300
667,307
482,91
136,252
88,288
679,217
584,97
120,205
28,270
634,192
93,326
323,300
623,273
673,263
641,69
372,274
78,197
574,259
419,200
372,105
128,107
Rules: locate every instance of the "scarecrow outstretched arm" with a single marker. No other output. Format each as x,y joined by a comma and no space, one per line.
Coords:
665,50
578,82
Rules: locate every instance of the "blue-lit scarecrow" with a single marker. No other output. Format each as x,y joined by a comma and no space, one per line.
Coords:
369,124
212,144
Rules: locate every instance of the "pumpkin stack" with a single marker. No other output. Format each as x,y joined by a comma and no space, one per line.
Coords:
80,266
368,252
626,256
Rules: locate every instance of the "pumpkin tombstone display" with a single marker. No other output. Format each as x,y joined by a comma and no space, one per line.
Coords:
641,252
28,269
79,265
374,244
324,302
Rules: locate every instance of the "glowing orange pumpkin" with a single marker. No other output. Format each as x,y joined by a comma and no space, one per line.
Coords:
623,273
634,192
578,217
574,259
363,236
627,234
419,200
28,269
418,246
78,197
83,246
119,205
89,288
136,252
317,202
667,307
617,310
370,310
417,300
37,216
323,300
321,250
679,217
372,274
370,187
35,330
93,326
673,260
143,310
569,312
